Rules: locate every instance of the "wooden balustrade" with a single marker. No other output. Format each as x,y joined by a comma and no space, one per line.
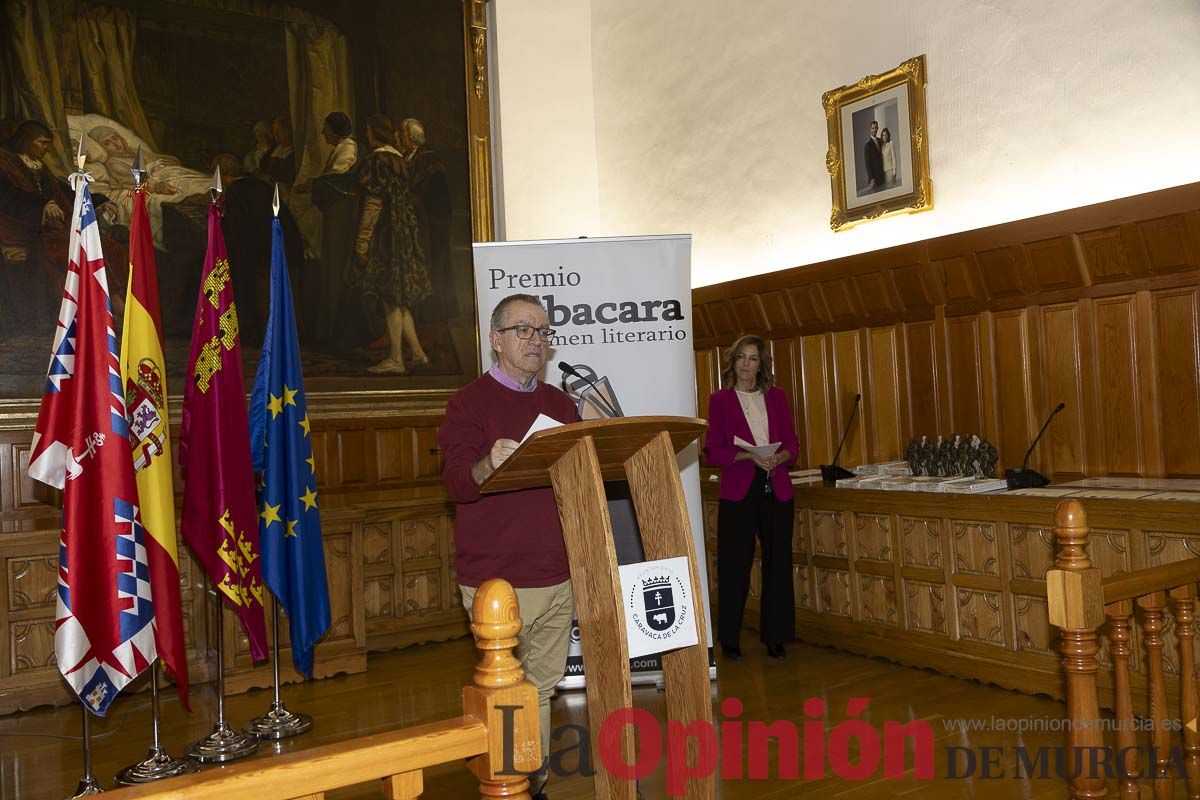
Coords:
1080,601
397,758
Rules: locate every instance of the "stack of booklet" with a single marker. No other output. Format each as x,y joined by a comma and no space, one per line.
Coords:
903,483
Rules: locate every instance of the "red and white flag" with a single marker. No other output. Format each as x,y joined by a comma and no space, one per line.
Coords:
104,627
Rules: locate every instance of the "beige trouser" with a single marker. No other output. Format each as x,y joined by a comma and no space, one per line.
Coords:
546,615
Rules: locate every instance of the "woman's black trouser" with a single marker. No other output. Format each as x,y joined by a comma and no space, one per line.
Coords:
738,522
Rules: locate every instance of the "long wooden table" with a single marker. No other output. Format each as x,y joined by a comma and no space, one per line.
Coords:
956,583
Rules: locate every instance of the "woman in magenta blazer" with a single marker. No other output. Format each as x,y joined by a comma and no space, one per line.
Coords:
756,496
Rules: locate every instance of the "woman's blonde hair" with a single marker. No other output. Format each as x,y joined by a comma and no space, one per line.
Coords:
766,371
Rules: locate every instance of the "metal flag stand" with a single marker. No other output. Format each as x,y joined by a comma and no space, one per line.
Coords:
278,723
224,743
88,785
158,764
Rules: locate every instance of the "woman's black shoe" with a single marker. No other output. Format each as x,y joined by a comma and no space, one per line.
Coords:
732,652
776,651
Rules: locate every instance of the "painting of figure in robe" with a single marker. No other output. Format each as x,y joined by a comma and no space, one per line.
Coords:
356,111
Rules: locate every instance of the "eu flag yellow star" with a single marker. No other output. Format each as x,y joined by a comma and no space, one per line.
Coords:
275,404
289,396
309,498
270,514
312,462
305,424
291,529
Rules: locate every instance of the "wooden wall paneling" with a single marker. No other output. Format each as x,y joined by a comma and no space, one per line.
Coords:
355,451
1113,254
841,302
988,385
1178,379
1066,372
1013,385
960,284
819,421
885,376
787,375
1172,243
725,326
1149,421
808,306
874,294
749,314
428,460
921,376
1005,272
1116,384
1054,264
708,377
394,447
702,328
776,310
1080,305
963,375
911,286
847,381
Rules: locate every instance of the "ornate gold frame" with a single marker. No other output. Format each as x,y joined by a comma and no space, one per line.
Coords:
911,72
21,414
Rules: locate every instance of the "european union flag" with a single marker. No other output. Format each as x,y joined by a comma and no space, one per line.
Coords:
289,522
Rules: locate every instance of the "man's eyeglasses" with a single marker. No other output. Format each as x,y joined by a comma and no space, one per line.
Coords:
527,331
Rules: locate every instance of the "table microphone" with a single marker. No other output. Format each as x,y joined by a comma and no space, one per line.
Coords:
832,473
1024,478
600,399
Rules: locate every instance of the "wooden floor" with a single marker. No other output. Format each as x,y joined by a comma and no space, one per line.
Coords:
39,750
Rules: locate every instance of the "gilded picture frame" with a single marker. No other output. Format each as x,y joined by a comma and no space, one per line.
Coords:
878,157
399,82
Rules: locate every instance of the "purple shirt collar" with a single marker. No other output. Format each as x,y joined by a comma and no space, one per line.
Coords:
506,380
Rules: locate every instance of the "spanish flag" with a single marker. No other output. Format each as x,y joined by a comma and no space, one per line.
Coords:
144,375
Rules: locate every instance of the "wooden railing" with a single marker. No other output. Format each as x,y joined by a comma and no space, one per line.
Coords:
1080,603
397,758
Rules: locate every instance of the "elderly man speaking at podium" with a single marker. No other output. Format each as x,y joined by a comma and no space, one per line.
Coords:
512,535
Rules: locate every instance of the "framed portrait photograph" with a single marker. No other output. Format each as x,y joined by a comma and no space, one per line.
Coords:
878,156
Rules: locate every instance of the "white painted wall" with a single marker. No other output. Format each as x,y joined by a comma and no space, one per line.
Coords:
546,142
706,115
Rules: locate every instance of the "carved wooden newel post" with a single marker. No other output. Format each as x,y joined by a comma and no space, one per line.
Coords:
500,688
1076,605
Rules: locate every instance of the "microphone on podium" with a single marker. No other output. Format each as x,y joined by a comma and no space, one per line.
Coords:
598,398
832,473
1025,478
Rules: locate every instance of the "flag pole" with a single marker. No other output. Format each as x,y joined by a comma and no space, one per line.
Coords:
158,763
278,722
88,785
224,743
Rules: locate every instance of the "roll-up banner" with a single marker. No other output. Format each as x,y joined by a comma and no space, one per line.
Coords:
621,309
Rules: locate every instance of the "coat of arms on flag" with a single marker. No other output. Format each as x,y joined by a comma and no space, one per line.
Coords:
104,631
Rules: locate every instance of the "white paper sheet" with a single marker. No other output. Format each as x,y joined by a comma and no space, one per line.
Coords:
542,423
762,451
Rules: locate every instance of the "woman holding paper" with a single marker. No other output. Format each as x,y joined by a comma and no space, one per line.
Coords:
752,437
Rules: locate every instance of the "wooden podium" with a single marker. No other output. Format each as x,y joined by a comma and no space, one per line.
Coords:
576,459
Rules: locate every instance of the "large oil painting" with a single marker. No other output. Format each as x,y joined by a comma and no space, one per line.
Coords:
358,111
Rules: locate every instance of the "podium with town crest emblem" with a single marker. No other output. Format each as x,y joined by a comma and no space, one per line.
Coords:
575,460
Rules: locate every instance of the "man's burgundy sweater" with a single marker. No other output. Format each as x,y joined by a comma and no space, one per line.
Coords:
512,535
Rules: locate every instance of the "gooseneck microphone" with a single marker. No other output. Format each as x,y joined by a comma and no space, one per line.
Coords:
832,473
1025,478
600,399
1038,438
